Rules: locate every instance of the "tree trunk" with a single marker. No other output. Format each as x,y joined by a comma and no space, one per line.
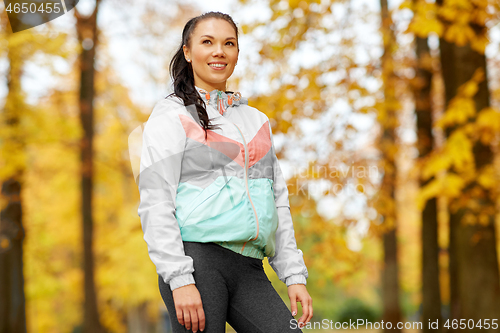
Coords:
431,296
390,278
12,299
87,36
474,276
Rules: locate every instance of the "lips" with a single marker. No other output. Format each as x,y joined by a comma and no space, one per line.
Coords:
217,65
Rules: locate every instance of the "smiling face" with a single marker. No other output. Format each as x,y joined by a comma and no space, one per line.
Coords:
213,51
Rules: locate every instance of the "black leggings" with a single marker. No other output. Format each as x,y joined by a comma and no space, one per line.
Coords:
233,288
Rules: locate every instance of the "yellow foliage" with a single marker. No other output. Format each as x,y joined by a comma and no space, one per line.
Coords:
459,148
244,29
460,4
422,26
478,75
459,34
293,3
459,111
450,186
425,19
488,124
479,43
480,3
462,106
436,163
111,319
469,219
463,18
427,192
406,4
457,153
480,16
487,177
484,219
448,13
469,89
459,16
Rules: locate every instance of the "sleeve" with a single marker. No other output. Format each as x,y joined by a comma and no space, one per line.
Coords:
288,261
163,142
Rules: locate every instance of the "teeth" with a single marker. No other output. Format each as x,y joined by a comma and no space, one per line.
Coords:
217,65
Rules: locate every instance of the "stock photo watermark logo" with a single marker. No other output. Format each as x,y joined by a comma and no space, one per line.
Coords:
26,14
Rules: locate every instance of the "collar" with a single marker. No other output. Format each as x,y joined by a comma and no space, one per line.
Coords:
221,100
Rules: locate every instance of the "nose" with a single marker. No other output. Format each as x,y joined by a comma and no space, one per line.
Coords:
219,51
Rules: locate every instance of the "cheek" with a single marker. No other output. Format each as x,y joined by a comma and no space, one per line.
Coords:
200,61
200,57
233,58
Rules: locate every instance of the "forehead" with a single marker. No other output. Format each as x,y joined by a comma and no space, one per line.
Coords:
214,27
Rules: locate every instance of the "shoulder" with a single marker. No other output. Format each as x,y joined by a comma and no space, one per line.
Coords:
254,118
166,114
168,107
174,99
254,112
170,102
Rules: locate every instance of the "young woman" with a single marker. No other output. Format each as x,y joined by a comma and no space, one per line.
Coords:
214,202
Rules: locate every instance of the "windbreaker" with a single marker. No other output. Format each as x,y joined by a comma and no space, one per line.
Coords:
227,188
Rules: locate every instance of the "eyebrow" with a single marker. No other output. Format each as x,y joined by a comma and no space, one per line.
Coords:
213,37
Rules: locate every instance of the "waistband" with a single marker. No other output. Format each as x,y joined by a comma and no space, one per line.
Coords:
249,249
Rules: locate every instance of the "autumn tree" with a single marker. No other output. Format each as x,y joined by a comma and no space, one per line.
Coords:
469,184
12,233
475,284
87,31
421,87
386,197
16,134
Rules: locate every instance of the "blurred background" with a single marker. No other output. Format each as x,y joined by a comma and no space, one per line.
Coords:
386,119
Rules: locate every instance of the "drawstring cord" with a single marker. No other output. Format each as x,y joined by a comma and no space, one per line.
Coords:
220,103
221,107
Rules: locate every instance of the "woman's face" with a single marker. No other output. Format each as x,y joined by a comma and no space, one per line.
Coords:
213,53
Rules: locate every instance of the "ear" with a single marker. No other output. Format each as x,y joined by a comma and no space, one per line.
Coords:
187,54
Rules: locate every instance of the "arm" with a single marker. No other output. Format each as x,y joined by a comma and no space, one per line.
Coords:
288,262
161,153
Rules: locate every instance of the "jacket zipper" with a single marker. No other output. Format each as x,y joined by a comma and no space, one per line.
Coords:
246,183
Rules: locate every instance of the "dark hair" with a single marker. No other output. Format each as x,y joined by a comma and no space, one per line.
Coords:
182,71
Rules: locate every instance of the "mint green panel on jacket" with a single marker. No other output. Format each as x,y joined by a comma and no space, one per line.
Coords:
262,194
220,212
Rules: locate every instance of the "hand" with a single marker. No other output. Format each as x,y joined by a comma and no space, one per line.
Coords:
189,308
298,292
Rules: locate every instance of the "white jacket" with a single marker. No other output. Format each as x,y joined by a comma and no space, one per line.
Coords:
227,189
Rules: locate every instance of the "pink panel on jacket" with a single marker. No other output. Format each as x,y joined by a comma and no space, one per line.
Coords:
214,140
257,147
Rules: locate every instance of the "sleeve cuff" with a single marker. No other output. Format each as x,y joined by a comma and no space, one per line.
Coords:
295,279
181,281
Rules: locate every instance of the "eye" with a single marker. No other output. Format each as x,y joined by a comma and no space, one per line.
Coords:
206,40
231,43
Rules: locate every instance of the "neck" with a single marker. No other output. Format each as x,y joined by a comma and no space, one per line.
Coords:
210,87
